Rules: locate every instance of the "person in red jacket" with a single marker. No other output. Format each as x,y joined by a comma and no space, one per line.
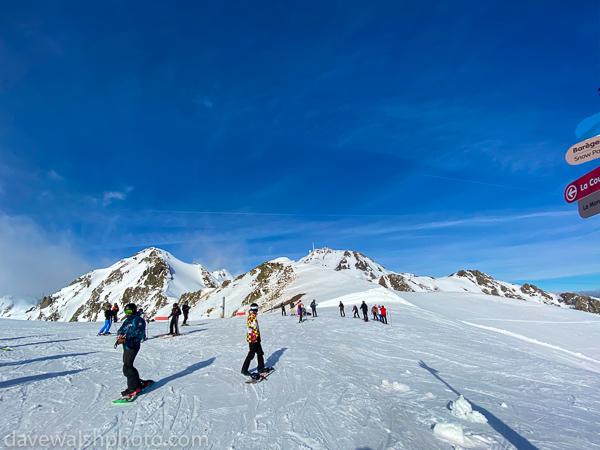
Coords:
253,338
383,313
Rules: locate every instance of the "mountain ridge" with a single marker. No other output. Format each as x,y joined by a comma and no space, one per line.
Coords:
154,279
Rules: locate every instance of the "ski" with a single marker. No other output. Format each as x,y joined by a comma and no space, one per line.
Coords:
123,400
259,377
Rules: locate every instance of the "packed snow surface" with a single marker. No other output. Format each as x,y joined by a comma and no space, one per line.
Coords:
427,381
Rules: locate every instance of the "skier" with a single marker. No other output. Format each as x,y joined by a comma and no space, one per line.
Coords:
107,321
186,310
115,311
365,310
174,326
283,309
342,313
292,309
355,311
375,312
383,312
300,311
313,306
253,339
130,334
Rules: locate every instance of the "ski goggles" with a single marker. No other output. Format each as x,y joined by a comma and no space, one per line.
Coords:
128,311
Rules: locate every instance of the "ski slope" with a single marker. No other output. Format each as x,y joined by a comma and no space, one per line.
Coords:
452,371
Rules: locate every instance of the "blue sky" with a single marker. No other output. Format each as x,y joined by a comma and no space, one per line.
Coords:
429,136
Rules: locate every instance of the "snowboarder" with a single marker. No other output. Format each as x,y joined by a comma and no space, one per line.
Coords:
342,313
355,311
300,311
115,311
313,306
383,313
130,335
174,326
186,310
375,312
107,321
365,310
253,339
283,309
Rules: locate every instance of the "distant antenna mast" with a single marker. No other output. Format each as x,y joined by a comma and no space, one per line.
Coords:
313,246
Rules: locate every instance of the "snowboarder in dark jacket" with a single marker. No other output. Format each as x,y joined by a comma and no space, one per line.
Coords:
313,306
253,339
355,311
342,313
365,310
175,313
107,321
283,309
186,310
131,333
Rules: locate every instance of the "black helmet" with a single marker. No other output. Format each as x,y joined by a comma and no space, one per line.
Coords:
175,305
131,307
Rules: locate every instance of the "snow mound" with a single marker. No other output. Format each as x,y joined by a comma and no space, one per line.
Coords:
453,433
461,409
395,386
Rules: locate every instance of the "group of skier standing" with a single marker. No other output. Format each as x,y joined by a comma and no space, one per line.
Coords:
379,312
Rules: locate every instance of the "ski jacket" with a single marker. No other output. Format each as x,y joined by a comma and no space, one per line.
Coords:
342,305
185,309
313,304
355,308
374,310
382,310
134,329
253,332
108,314
364,307
175,312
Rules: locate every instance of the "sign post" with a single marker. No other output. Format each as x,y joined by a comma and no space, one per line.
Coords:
589,206
584,186
587,150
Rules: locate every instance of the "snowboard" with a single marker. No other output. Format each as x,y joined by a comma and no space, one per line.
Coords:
123,400
6,349
258,377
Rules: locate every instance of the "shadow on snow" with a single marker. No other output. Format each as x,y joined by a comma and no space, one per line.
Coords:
187,371
506,431
45,358
44,376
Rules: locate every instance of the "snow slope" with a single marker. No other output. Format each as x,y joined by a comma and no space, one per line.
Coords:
452,371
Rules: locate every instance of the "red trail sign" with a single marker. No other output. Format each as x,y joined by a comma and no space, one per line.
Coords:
584,186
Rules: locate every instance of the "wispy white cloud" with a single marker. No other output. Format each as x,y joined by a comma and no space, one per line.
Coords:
109,197
34,263
52,175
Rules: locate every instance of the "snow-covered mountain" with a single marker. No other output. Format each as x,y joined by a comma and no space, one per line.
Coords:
155,280
152,279
324,273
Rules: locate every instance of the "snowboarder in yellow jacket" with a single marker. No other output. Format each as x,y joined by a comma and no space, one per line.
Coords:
253,338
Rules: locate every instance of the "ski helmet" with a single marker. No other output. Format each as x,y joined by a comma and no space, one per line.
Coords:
131,307
254,307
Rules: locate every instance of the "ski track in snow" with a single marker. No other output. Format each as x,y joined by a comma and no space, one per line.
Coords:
327,391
